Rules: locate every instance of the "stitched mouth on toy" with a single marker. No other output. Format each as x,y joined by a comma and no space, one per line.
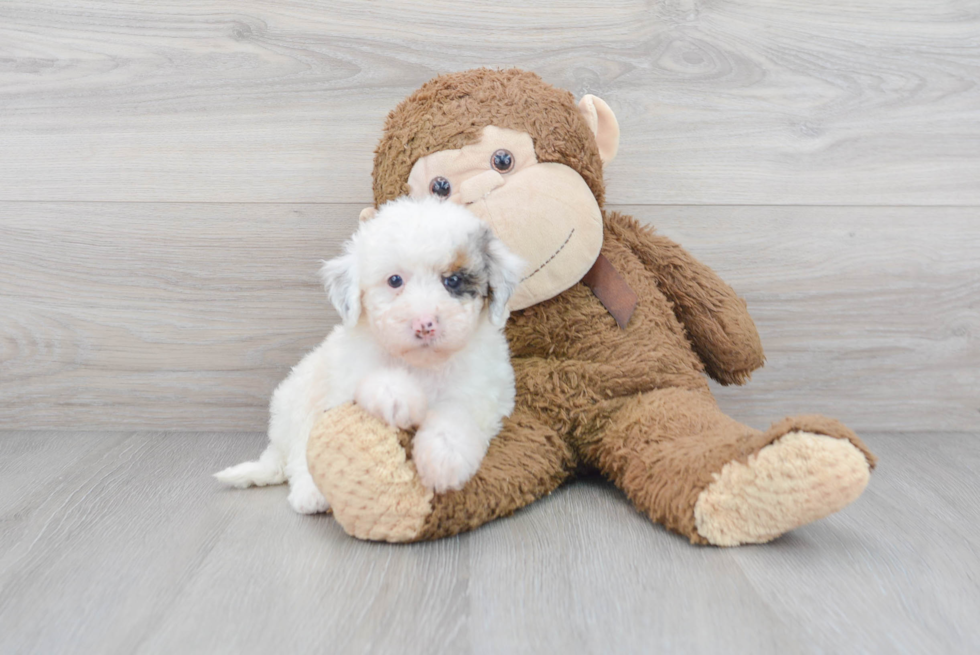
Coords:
542,265
550,259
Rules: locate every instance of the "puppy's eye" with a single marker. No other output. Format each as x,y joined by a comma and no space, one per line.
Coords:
440,186
453,281
502,161
395,281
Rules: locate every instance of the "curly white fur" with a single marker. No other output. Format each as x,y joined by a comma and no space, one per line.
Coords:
422,291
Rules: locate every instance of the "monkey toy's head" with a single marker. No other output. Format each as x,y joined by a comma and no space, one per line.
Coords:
520,154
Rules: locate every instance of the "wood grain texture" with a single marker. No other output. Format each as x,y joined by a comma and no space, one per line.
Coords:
122,543
917,524
741,101
869,315
173,316
193,313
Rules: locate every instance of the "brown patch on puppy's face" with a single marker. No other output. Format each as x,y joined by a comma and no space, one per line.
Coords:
460,262
431,311
423,276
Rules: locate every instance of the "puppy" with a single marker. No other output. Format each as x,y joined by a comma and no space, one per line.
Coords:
422,292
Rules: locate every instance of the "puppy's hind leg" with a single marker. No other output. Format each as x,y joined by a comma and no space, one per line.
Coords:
268,469
304,496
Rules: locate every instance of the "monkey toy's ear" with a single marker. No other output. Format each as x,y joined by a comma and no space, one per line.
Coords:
602,121
367,214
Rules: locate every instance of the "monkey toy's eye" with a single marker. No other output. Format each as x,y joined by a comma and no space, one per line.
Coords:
395,281
439,186
452,282
502,161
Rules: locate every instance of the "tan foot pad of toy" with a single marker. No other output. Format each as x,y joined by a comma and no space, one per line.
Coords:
798,479
372,487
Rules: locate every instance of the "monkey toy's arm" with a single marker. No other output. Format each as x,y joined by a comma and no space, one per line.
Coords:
717,320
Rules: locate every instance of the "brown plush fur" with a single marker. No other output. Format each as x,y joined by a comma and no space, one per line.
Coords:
632,403
450,111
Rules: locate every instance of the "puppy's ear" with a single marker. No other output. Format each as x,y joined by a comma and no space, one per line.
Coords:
343,286
504,270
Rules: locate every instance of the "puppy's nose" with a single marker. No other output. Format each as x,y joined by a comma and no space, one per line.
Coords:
425,327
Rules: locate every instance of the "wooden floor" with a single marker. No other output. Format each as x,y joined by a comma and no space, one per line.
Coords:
122,543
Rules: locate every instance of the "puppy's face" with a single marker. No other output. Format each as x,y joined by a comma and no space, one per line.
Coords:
426,274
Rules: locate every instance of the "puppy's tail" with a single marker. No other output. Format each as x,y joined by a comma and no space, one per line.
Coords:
269,468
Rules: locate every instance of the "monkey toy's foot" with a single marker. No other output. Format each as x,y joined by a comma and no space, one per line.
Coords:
359,464
799,478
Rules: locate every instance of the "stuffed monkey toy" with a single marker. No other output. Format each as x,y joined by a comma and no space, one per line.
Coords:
612,331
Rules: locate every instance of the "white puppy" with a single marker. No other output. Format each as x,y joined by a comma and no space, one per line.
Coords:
422,292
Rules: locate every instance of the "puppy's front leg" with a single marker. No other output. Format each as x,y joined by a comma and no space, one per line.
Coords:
448,449
394,396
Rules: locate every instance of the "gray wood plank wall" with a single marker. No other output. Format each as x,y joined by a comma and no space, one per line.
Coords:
171,173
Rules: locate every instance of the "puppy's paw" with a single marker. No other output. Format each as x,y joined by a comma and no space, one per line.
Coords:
305,498
394,396
447,453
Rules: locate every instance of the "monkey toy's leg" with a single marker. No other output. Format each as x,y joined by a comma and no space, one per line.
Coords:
363,468
706,476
